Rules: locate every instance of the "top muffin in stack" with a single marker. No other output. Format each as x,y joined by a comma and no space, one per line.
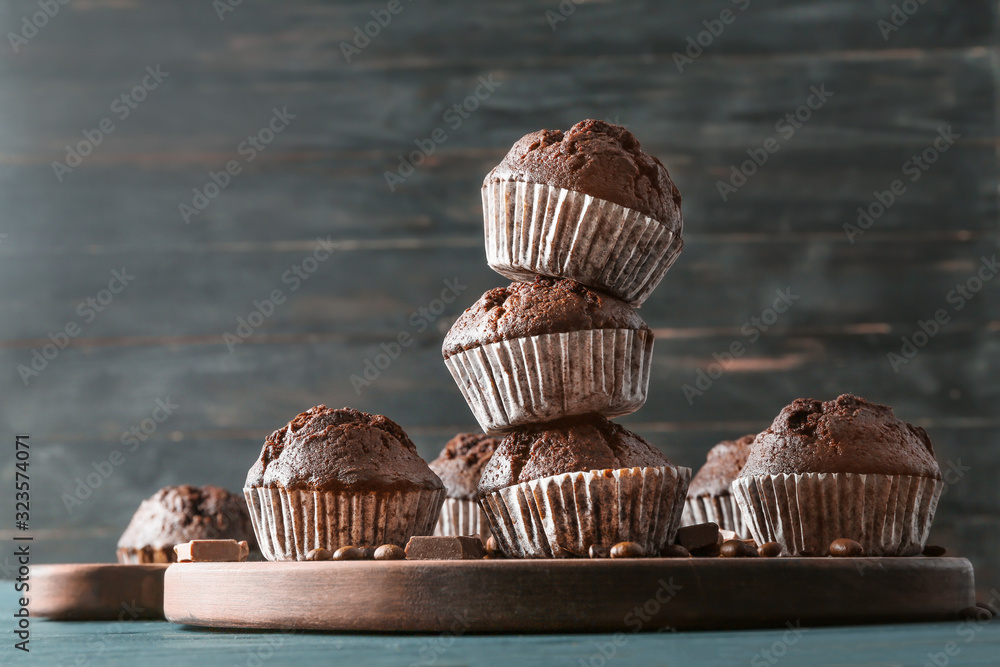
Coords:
588,223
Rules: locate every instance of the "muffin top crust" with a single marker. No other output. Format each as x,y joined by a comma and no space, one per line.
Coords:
177,514
722,466
846,435
599,159
324,449
460,464
573,444
545,306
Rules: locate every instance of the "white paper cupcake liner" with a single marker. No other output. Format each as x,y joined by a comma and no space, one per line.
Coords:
541,378
722,510
890,515
291,523
563,515
462,517
532,228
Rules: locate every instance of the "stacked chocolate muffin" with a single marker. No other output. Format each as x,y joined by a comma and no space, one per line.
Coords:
588,224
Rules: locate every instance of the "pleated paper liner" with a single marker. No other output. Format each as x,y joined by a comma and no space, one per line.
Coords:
722,510
533,228
563,515
462,517
890,515
291,523
541,378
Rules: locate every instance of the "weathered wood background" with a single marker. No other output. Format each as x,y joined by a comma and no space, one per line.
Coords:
323,177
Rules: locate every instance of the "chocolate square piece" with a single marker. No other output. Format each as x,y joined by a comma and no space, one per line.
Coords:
445,547
212,551
698,536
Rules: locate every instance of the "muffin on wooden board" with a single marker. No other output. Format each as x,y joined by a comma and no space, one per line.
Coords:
538,351
554,490
846,468
178,514
710,496
333,478
586,204
460,466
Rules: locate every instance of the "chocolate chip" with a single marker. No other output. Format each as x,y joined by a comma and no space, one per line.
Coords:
367,553
934,551
734,549
846,548
675,551
319,554
597,551
347,553
770,550
627,550
390,552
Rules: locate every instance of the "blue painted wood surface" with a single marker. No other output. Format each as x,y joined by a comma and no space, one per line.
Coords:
159,643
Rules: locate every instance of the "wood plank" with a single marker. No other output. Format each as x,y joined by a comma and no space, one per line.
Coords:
692,593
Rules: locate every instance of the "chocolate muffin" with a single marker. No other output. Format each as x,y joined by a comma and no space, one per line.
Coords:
556,489
846,468
710,498
333,478
533,352
178,514
586,204
460,465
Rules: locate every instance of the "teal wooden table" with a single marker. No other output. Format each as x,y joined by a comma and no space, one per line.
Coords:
159,643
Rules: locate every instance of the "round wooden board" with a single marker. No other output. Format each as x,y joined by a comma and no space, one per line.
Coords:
649,594
97,591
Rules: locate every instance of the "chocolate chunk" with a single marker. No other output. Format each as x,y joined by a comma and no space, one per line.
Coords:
319,554
846,548
597,551
934,551
347,553
770,550
698,536
674,551
627,550
445,547
212,551
390,552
